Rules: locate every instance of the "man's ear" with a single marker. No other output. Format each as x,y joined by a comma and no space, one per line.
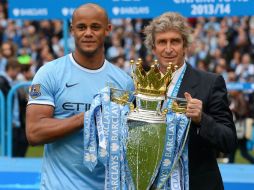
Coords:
153,50
71,29
185,51
109,28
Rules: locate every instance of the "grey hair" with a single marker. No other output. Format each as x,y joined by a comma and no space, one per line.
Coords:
166,22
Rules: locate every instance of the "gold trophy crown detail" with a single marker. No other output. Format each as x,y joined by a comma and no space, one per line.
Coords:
153,82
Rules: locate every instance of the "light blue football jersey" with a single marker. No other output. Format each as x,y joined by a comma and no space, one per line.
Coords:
70,88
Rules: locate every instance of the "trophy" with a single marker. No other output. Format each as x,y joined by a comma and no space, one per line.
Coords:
142,147
146,122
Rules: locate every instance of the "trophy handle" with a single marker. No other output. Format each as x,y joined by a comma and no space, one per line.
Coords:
122,97
178,105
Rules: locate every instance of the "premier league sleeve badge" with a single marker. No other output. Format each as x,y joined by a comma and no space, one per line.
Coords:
35,91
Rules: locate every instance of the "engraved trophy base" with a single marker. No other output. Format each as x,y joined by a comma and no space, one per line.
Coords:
146,116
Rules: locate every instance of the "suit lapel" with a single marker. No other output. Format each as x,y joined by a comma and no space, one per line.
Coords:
189,83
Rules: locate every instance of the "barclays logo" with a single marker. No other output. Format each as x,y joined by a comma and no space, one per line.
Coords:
130,10
116,10
30,12
67,11
16,12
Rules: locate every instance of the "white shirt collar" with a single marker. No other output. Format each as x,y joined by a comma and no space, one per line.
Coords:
85,69
176,76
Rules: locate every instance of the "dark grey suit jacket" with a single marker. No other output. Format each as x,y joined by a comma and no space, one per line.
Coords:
216,131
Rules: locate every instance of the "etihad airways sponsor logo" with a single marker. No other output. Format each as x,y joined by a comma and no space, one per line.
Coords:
76,106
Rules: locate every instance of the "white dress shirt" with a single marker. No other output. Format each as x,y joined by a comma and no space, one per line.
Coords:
176,76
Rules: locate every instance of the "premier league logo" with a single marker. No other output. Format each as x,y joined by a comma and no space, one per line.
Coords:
34,91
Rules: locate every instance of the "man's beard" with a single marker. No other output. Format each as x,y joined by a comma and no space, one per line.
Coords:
87,53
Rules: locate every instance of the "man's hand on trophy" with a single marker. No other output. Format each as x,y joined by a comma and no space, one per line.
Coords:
194,108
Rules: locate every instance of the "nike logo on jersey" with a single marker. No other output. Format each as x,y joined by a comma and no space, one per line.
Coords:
70,85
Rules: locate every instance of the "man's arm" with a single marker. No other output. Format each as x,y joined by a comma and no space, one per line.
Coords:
216,124
42,128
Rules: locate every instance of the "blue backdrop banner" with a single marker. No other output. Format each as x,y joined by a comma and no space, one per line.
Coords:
242,86
61,9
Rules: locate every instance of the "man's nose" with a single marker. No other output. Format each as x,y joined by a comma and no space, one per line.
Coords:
88,32
168,47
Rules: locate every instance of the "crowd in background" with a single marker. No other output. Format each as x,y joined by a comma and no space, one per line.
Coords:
221,45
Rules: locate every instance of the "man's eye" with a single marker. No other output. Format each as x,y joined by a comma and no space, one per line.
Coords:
95,27
81,27
161,42
177,41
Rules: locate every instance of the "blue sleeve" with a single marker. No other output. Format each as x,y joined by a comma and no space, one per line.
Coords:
131,88
43,86
130,85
